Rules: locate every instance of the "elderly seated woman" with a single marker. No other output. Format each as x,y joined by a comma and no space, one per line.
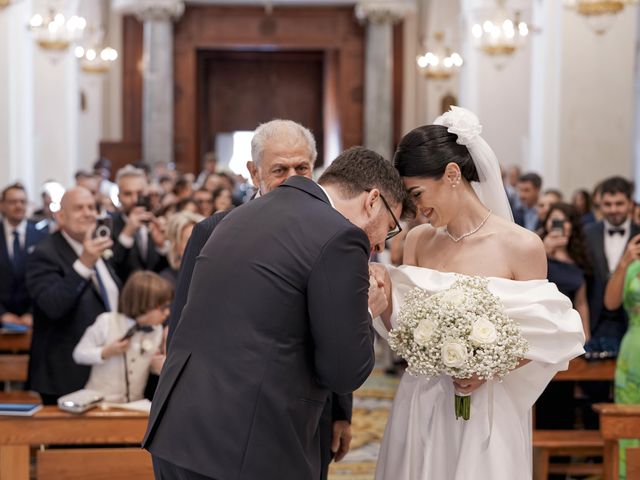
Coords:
179,228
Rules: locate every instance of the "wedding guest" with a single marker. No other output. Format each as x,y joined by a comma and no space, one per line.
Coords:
548,198
567,267
123,347
606,243
139,242
526,215
71,284
222,199
582,203
18,238
624,289
179,228
204,201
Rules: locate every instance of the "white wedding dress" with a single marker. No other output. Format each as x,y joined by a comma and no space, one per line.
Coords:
424,441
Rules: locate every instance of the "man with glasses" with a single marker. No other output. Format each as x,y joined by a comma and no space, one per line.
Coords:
246,379
18,237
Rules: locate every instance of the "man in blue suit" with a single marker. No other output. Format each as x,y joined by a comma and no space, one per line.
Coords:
18,237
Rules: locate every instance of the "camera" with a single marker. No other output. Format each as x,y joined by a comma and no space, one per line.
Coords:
145,202
557,225
103,229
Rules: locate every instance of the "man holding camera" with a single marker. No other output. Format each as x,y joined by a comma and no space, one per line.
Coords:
139,242
71,285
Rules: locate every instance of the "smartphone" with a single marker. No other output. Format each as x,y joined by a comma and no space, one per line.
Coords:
104,227
557,225
145,202
129,333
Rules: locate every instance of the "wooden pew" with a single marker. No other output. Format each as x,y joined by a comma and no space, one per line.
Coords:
53,427
619,422
14,368
15,342
550,443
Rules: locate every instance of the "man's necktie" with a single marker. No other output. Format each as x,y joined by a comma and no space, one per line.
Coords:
616,231
18,252
102,289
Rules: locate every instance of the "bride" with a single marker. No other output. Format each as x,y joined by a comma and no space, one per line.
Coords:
454,179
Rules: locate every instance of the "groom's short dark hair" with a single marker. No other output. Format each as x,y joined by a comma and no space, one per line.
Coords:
359,169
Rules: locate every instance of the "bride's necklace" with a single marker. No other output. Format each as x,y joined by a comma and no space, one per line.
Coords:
465,235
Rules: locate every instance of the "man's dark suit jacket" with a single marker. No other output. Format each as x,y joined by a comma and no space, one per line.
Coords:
64,305
14,297
604,323
275,319
129,260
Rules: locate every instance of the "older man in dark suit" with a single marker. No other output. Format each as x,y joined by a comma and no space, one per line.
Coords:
71,285
249,369
280,149
18,238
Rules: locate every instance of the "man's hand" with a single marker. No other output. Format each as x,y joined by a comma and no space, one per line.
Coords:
135,219
157,229
115,348
341,439
93,248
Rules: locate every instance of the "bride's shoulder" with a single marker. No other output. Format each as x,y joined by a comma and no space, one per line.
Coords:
525,251
417,238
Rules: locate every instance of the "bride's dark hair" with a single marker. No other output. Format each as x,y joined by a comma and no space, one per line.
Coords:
426,151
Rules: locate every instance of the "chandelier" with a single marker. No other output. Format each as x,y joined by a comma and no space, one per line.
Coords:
441,63
54,31
502,34
600,14
95,58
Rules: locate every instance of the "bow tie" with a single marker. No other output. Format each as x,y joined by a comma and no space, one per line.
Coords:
144,328
619,231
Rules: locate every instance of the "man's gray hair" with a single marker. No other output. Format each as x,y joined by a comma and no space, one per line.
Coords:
287,130
130,171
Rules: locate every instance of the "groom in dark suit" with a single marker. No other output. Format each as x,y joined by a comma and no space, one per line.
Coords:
279,150
246,378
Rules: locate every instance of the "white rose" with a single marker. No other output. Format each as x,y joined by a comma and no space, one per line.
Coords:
483,332
453,296
453,354
423,332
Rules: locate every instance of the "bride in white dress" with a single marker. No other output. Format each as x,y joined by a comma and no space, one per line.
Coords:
454,179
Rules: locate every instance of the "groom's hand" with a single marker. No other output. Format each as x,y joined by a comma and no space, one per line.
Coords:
341,439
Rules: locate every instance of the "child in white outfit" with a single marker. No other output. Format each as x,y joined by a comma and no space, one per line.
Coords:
121,366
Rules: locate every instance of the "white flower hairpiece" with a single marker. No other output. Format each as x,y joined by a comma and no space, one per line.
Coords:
462,122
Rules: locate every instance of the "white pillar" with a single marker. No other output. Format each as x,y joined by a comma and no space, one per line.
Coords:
16,100
636,162
378,95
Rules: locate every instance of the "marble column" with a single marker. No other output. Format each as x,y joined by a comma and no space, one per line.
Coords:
380,16
157,96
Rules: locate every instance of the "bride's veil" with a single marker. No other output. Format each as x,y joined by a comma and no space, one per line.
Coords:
490,189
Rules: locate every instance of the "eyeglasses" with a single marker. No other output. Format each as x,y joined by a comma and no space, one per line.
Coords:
395,230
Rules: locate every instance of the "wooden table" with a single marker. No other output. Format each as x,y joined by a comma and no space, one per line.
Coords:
619,422
51,426
15,342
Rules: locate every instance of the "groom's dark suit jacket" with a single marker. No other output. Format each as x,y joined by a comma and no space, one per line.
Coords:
275,319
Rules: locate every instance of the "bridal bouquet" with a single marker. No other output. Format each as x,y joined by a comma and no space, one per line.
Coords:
460,332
